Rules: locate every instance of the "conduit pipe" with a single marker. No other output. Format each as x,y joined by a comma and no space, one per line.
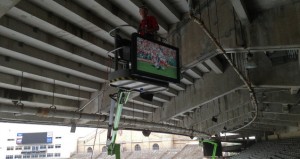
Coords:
48,113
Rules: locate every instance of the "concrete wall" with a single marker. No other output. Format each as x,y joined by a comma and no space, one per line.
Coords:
277,27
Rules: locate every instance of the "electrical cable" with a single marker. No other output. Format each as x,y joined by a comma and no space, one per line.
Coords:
223,52
217,21
53,90
208,15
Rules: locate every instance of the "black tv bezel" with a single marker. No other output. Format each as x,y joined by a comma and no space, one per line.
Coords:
145,74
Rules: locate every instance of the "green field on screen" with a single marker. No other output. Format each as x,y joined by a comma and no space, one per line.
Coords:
148,67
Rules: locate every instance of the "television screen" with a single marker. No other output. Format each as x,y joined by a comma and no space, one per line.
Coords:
154,59
34,138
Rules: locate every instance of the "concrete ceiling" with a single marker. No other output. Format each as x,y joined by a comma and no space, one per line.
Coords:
55,55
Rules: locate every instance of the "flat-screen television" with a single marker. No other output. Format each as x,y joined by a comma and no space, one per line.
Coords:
155,60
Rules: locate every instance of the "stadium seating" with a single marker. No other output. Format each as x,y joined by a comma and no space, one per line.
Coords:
189,152
279,149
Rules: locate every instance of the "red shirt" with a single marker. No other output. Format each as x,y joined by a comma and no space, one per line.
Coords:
148,26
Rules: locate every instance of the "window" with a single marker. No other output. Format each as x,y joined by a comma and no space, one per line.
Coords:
49,154
34,155
9,157
58,146
42,155
50,146
10,139
26,156
90,150
42,147
137,147
27,148
57,154
155,147
58,137
9,148
18,147
35,148
104,149
18,156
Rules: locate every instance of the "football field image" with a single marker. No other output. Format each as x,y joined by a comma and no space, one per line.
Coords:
150,68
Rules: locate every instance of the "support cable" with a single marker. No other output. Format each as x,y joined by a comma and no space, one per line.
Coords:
208,15
223,52
53,90
217,22
19,103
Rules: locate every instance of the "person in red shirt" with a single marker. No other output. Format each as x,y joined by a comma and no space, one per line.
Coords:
148,26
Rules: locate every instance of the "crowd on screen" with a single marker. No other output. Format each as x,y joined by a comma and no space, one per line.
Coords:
160,56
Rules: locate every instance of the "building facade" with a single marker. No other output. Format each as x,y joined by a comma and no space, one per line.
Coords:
132,141
36,145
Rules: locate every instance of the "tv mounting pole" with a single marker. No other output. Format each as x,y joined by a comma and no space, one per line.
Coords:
117,31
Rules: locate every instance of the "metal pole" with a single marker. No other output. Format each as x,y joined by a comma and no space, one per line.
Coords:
116,46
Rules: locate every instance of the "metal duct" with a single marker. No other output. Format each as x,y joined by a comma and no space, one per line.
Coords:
48,112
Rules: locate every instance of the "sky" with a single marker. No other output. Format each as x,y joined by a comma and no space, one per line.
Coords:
10,130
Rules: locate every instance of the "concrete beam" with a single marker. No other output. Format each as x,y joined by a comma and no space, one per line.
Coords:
178,87
194,73
161,98
40,92
215,65
226,109
149,104
267,126
279,20
134,115
201,92
67,10
18,73
170,92
6,5
45,64
268,75
48,73
28,119
60,28
294,90
55,62
36,104
138,108
123,16
30,35
241,11
276,122
198,73
280,98
163,25
31,86
7,96
186,79
281,116
156,103
174,11
195,44
203,67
